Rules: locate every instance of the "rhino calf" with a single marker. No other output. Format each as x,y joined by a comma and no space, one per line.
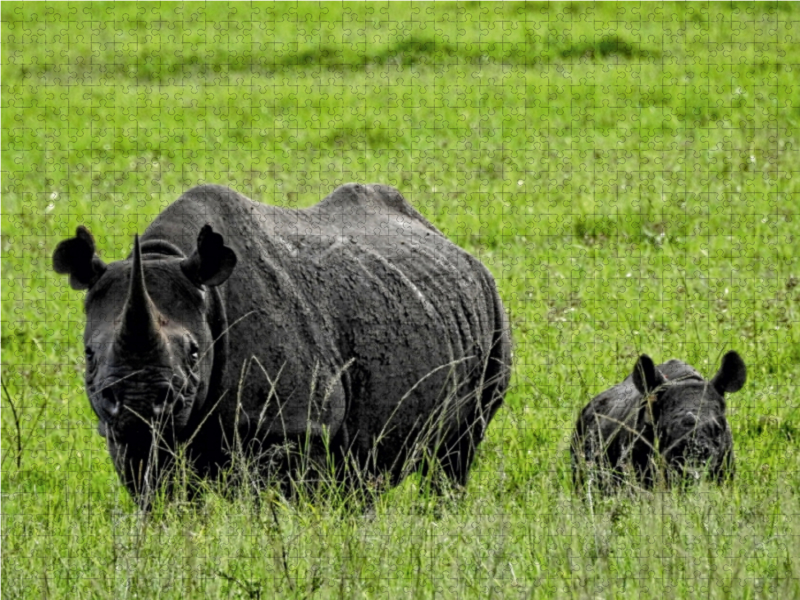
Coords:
353,328
666,416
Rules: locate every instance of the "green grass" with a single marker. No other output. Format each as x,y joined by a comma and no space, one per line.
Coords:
626,172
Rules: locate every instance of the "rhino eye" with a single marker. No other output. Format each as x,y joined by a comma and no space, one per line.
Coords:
194,351
89,353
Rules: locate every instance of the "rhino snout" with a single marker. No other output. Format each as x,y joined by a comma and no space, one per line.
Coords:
129,401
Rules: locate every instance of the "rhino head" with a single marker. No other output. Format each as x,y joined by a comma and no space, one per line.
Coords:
148,341
691,429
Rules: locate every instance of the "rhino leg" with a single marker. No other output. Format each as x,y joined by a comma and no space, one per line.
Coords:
484,391
454,456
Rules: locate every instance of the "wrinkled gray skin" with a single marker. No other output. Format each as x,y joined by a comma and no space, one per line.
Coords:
666,415
245,325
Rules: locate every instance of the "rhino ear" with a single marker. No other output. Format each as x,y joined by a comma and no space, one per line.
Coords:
731,375
212,262
646,377
76,257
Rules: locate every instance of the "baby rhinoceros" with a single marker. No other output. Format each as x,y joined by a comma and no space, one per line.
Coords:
664,421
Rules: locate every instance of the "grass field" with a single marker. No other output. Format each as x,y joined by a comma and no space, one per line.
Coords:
626,172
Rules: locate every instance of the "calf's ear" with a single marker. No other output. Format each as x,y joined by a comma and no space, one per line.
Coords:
212,262
646,377
77,257
731,375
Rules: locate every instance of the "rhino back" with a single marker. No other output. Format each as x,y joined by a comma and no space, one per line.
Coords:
420,316
677,370
609,409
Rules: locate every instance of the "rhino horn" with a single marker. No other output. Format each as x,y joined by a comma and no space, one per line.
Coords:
139,328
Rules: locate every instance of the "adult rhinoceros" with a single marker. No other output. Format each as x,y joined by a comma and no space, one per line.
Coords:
353,327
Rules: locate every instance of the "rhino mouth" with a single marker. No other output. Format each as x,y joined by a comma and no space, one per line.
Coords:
131,414
137,426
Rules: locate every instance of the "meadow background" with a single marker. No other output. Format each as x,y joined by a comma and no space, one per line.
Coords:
627,172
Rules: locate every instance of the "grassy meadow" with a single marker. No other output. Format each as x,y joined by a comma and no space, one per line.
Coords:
626,171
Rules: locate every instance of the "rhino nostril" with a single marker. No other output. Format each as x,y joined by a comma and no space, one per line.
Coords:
111,403
166,399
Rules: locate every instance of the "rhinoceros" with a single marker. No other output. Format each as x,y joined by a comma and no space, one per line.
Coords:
353,328
660,421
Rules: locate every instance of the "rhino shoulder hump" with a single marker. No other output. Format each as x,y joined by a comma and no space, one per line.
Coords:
210,189
374,198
